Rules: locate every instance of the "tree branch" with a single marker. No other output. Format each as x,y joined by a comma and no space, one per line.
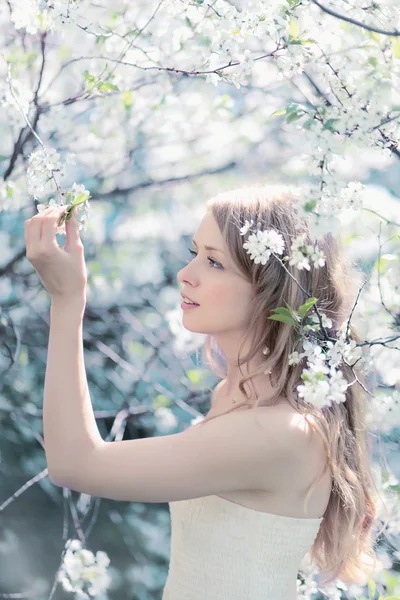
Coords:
355,22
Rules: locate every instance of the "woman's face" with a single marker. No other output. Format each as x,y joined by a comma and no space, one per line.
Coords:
212,280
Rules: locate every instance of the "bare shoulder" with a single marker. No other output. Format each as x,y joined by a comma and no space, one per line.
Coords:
291,423
280,420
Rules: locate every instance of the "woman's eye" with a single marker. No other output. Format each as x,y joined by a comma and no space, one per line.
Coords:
214,263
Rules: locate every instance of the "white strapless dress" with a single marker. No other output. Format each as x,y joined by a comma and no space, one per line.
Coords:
221,550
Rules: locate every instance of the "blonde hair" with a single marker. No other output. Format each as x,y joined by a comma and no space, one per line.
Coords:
344,546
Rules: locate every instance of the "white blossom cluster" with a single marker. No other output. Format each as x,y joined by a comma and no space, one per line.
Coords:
261,244
35,16
301,253
324,382
84,573
41,166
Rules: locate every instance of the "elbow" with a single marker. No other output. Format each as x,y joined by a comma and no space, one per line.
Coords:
55,480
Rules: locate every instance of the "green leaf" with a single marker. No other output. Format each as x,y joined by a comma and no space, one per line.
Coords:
310,205
282,311
283,319
304,308
294,116
89,78
308,124
80,199
278,113
330,124
293,313
127,98
108,87
373,61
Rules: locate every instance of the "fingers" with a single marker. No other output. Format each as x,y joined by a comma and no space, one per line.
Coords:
49,227
40,230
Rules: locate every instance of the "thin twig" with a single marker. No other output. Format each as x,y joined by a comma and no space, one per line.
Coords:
355,22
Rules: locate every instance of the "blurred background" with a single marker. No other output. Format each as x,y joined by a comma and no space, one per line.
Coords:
116,91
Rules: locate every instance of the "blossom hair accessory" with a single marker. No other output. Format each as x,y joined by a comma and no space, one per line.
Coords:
323,380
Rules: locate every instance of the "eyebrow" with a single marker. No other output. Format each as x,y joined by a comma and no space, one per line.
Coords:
208,247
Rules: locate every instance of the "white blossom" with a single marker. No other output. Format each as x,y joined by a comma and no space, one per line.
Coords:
261,244
326,321
246,227
301,252
83,572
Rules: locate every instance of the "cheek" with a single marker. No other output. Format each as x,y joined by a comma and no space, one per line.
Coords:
232,302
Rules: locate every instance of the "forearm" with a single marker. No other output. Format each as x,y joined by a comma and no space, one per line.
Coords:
69,425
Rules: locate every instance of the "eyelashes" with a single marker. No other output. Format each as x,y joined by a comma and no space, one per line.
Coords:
213,262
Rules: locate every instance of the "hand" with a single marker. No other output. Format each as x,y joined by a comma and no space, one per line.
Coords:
61,270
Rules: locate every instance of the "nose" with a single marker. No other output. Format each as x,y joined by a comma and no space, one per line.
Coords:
185,275
182,274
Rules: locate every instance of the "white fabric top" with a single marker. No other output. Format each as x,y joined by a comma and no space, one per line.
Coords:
221,550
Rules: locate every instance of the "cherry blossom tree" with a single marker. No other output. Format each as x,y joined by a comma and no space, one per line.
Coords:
107,108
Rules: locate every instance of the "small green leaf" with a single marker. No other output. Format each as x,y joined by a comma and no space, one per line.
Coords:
283,319
293,313
80,199
282,311
89,78
108,87
310,205
308,124
127,98
330,125
294,116
278,113
304,308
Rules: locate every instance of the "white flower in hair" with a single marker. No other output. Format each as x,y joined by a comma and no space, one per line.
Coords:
326,321
318,258
300,261
322,385
246,227
261,244
294,358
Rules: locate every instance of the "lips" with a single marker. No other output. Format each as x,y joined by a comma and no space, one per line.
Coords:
187,298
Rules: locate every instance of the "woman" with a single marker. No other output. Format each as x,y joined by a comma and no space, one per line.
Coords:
266,476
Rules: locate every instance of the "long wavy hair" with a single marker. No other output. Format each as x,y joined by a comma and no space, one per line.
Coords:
345,544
